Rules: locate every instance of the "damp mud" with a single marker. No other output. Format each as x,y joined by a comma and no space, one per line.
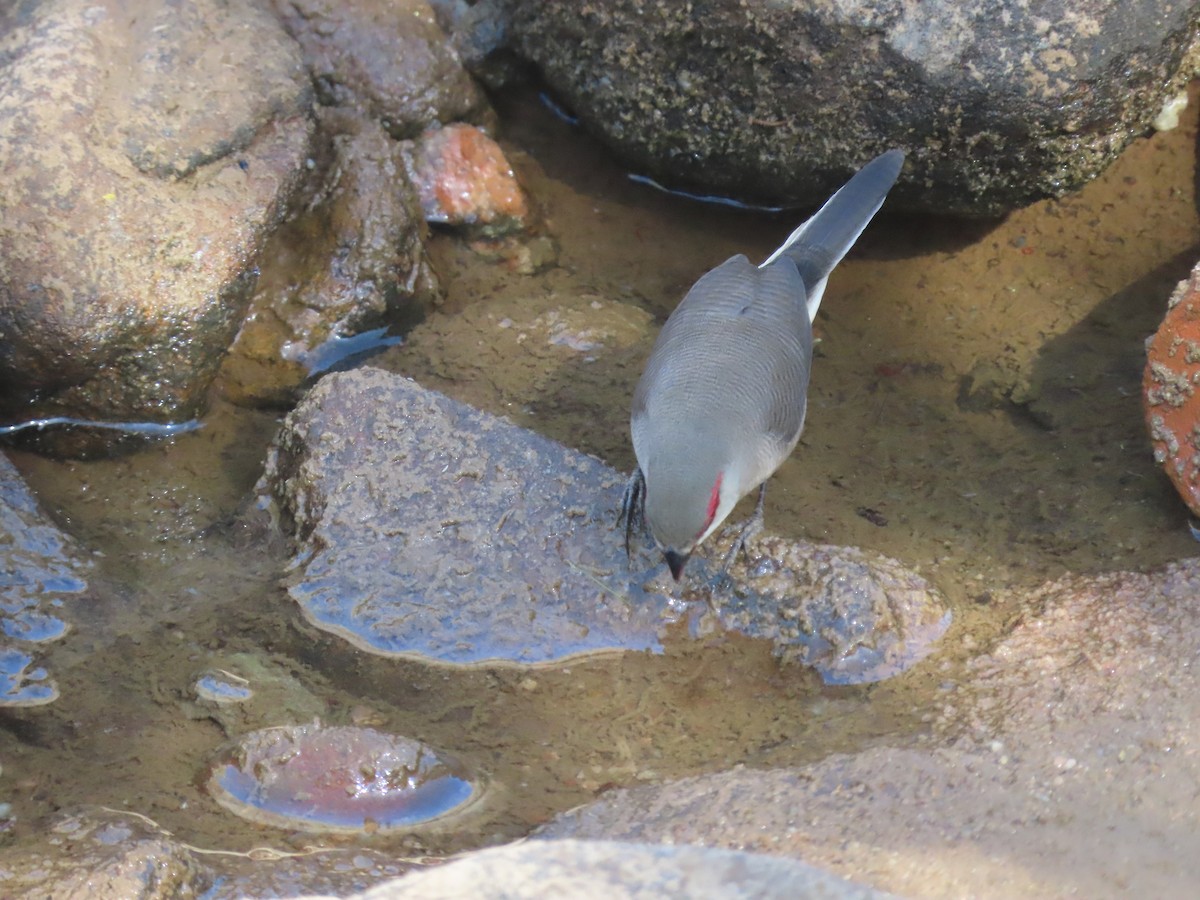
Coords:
974,414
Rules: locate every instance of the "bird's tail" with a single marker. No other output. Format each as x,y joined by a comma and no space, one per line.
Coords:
820,243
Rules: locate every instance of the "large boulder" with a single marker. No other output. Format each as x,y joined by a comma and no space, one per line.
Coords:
998,105
1052,767
348,270
146,150
575,870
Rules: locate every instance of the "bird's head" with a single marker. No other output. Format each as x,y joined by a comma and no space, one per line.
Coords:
687,501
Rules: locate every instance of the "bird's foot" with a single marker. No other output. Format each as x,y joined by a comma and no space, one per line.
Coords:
633,507
750,530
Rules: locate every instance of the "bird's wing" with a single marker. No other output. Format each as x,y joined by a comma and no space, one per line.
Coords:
739,345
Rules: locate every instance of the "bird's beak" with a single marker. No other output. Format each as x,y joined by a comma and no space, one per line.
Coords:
675,562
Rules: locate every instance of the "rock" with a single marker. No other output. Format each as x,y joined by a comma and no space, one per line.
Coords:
350,262
41,570
989,385
149,149
101,854
1053,766
429,530
345,780
861,617
104,856
525,255
997,105
389,58
466,183
241,691
464,180
622,871
478,32
1169,390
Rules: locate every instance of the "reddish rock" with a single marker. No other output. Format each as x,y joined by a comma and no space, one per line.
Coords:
1169,390
464,179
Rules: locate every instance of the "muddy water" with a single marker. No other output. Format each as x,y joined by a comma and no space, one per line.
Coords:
974,413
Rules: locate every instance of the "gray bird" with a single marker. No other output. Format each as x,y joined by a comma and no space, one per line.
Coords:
721,402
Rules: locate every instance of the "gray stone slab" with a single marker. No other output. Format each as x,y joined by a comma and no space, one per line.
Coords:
428,529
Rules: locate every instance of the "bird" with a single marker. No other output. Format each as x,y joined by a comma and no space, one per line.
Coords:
721,402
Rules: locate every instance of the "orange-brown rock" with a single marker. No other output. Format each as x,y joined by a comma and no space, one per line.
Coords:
1169,390
464,179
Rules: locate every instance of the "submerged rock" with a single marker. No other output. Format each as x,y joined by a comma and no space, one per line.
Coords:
242,691
221,687
431,530
349,780
149,148
998,104
40,570
853,615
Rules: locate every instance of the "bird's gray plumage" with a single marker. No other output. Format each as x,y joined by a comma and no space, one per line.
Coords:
722,400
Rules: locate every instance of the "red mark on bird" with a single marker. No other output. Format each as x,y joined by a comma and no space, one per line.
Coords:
714,499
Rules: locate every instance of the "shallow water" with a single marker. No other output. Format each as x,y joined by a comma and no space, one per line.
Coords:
1039,466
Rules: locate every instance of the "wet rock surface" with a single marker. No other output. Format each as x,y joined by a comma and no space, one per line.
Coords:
853,615
105,854
346,779
350,260
433,531
1169,390
391,60
1054,767
579,869
41,573
150,148
998,106
429,529
477,32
